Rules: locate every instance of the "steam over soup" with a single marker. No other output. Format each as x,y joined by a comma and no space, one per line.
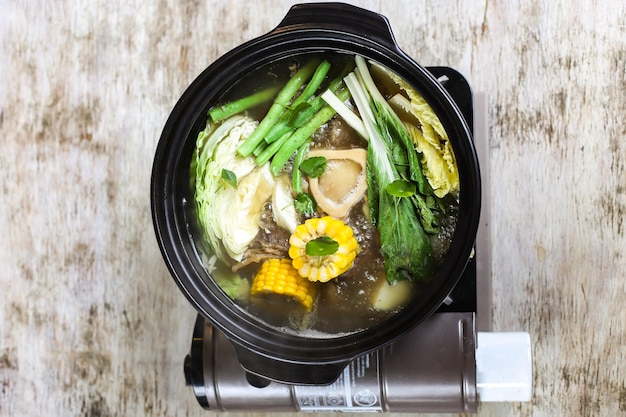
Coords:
326,193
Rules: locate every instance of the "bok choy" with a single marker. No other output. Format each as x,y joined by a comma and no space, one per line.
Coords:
405,245
428,135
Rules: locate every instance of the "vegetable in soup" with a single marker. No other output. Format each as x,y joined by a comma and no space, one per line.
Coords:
326,192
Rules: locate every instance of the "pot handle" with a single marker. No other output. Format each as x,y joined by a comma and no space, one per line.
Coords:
339,17
288,372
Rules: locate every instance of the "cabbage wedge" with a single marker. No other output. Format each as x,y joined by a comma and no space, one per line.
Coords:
229,215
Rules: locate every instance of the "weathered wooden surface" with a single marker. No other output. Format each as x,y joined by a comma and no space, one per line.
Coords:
91,323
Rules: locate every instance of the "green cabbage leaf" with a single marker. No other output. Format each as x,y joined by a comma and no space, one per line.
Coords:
229,216
429,137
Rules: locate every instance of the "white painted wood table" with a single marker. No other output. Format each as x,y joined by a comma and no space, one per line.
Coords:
91,324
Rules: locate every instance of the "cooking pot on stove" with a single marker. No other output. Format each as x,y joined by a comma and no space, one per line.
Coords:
262,350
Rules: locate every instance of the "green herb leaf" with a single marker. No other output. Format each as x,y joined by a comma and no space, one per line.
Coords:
321,246
401,188
314,167
229,177
305,204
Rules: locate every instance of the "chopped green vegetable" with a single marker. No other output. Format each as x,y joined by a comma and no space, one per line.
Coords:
348,115
231,283
305,204
314,167
405,245
299,117
302,134
268,152
296,175
229,177
391,128
321,246
313,85
277,131
294,117
224,111
276,110
300,112
428,211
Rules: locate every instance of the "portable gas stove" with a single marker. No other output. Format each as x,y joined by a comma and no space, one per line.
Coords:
448,363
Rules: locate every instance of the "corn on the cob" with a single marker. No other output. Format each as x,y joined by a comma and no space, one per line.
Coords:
278,276
323,268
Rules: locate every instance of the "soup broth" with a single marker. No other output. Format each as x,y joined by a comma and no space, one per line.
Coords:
311,219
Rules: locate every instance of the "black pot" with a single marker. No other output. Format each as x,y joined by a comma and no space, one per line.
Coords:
261,349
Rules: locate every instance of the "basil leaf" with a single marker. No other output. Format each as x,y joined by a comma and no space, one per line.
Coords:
313,167
321,246
305,204
401,188
229,177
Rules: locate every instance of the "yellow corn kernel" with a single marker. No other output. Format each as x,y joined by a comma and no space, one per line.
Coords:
323,268
278,276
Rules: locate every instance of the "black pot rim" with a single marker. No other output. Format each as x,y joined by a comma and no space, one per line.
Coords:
168,191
